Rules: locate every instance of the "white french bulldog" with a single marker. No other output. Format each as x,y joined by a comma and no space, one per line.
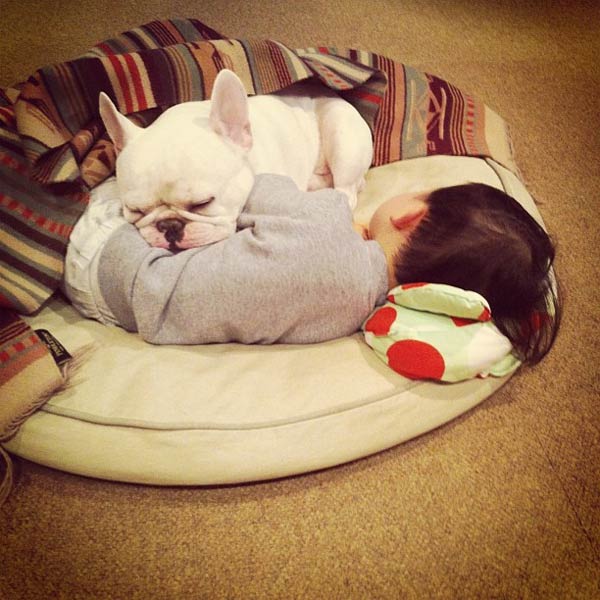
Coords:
185,178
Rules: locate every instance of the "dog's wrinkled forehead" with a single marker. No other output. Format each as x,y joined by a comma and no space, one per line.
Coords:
151,171
152,192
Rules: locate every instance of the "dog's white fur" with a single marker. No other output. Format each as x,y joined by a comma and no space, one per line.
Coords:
185,178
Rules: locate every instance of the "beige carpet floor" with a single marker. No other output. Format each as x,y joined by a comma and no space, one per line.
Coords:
502,503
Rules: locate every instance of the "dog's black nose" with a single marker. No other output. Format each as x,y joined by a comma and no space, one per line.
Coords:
172,228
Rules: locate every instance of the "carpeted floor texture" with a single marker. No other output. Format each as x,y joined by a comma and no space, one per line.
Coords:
504,502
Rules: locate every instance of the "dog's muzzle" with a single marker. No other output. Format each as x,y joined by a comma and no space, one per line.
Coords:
172,229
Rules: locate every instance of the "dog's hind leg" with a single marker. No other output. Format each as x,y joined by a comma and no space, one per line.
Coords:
347,145
320,179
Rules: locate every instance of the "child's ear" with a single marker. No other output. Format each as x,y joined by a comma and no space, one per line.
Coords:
408,222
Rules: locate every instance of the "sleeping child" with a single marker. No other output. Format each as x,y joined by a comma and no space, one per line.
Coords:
299,271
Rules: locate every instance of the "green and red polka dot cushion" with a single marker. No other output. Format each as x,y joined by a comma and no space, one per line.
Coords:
438,332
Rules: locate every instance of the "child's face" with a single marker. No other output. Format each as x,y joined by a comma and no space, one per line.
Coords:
393,222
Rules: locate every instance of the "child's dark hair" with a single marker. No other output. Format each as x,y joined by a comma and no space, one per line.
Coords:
478,238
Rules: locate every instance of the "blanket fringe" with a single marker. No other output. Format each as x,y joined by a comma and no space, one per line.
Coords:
6,475
69,370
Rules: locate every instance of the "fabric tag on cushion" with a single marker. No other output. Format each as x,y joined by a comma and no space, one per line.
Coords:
438,332
57,350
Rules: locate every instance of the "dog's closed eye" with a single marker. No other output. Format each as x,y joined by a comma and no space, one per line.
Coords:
200,203
132,215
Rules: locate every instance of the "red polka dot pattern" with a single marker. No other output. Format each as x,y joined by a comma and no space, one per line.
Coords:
408,286
485,315
457,341
416,360
460,322
381,321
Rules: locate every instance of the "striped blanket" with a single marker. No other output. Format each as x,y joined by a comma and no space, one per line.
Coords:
53,147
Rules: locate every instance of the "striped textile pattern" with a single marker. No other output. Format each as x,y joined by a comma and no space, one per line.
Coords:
54,149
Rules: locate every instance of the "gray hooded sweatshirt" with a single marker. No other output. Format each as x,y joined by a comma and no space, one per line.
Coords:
295,272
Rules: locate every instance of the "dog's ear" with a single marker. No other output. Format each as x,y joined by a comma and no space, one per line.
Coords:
120,129
229,109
